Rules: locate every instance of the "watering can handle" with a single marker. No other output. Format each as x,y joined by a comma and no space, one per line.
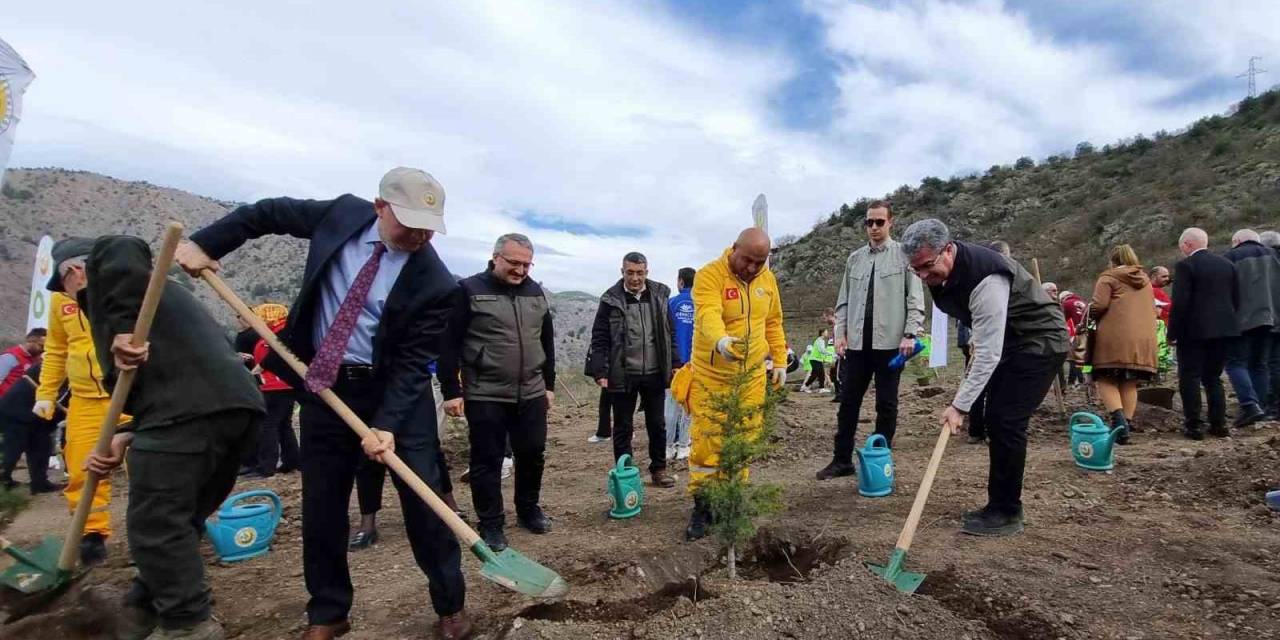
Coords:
1082,417
256,493
623,462
884,442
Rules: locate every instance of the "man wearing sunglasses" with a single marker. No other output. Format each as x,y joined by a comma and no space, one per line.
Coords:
1019,343
501,337
878,315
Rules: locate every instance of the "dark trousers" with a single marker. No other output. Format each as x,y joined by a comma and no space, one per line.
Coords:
603,428
371,477
818,374
34,438
652,395
1075,375
330,455
1015,390
492,425
834,374
178,476
1247,365
978,416
858,368
1273,364
1200,362
277,443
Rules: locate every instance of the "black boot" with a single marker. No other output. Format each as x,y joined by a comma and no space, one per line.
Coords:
494,536
836,469
1118,420
699,520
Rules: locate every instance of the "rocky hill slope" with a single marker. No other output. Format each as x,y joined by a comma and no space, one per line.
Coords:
1221,173
59,202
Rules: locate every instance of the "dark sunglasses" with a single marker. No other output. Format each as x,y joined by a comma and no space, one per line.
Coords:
874,222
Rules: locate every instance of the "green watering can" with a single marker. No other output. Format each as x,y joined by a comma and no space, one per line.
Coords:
626,490
1092,442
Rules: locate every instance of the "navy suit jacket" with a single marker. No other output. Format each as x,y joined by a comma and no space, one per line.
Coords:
413,319
1205,298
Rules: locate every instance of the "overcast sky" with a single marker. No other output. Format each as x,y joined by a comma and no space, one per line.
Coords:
603,127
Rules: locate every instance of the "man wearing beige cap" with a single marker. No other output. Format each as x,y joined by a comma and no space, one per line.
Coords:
368,318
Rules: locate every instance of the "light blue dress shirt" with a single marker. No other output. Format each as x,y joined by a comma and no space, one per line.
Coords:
337,280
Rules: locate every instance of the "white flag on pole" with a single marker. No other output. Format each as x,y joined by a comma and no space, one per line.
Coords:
38,306
15,75
938,328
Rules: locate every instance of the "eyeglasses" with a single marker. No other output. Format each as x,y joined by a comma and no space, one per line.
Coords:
517,263
875,222
928,265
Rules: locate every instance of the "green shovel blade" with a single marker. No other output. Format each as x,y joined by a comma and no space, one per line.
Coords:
514,571
35,570
905,581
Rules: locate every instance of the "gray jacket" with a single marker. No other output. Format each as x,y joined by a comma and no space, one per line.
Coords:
1257,279
614,331
898,304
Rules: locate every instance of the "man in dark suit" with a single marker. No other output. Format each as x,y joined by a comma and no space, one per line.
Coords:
1201,322
373,305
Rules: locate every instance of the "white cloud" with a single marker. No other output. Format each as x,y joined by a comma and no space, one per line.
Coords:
609,113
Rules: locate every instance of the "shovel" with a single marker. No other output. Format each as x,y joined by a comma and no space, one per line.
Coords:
509,568
49,566
907,581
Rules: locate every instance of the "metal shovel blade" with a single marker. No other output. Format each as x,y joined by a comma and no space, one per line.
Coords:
905,581
514,571
35,570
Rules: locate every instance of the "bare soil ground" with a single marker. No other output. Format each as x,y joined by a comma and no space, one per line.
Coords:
1174,543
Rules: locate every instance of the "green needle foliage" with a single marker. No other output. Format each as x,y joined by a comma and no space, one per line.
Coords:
745,429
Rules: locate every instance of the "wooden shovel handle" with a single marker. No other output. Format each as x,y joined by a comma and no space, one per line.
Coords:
466,534
922,494
120,394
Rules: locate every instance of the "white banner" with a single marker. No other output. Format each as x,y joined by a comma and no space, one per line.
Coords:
15,75
938,329
760,214
38,306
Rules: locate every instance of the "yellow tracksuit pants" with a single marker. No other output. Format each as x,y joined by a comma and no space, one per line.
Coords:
704,430
84,420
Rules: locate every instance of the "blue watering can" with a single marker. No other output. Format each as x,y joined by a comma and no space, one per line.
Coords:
1092,443
875,467
626,490
899,362
240,532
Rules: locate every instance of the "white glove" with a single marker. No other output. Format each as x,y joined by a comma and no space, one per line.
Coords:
778,376
726,348
43,409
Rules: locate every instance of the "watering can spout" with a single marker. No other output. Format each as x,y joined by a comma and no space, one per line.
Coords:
1111,437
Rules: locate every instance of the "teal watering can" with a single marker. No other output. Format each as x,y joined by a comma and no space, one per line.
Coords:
1092,443
626,490
239,532
875,467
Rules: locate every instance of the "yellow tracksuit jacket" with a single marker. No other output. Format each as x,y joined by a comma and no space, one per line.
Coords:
69,355
727,306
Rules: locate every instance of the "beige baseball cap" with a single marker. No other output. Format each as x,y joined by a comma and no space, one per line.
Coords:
415,197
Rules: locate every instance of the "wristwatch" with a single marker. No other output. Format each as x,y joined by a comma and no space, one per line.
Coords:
909,336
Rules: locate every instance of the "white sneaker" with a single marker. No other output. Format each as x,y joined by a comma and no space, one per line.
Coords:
594,439
824,391
682,453
507,465
671,452
805,390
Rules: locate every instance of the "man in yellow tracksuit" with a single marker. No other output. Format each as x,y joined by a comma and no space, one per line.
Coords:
738,317
70,356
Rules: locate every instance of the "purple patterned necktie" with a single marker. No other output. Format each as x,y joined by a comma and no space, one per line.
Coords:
324,366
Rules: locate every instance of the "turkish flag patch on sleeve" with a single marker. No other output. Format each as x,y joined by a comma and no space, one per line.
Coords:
70,309
731,294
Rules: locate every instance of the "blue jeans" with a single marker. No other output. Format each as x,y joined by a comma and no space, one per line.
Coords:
677,422
1247,365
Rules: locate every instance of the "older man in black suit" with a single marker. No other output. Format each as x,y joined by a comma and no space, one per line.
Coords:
374,302
1202,321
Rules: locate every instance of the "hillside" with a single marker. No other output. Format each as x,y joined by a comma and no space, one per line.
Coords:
59,202
1222,173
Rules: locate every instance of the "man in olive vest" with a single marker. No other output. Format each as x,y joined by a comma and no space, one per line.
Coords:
501,337
1019,343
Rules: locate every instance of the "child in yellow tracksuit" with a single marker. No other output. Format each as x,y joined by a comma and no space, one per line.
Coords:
70,356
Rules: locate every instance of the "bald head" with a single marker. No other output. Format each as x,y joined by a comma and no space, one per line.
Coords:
750,254
1193,239
1244,235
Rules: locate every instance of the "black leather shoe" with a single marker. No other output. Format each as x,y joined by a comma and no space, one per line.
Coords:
534,520
93,549
1193,433
699,520
992,523
836,470
363,539
1249,414
1219,430
494,537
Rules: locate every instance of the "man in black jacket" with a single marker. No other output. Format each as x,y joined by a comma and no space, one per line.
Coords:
369,316
1202,321
1257,272
193,404
633,353
26,433
501,338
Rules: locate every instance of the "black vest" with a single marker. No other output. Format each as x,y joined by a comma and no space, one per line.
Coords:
1035,323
